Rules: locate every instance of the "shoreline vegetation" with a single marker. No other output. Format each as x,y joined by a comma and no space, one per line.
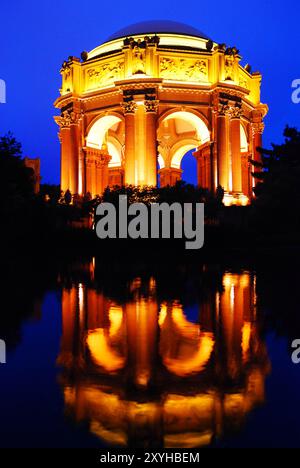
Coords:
61,224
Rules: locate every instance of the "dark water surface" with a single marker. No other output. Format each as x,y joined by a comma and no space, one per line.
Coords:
169,356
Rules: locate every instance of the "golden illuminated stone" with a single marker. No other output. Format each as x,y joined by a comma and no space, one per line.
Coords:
143,373
154,97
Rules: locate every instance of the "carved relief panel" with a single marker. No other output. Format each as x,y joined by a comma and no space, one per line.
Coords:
173,68
243,81
104,74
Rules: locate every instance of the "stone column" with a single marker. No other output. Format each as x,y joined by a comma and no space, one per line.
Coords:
257,131
246,175
102,161
199,158
204,166
140,149
74,158
65,146
235,141
90,170
69,138
151,107
96,170
222,146
64,137
129,108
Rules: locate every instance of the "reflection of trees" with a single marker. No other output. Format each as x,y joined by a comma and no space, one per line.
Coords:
142,374
22,289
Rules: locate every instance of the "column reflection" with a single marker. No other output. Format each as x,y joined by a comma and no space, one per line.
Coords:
142,374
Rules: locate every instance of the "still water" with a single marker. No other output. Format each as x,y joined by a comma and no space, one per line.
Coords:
162,357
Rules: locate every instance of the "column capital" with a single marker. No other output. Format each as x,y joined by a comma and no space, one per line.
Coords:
151,106
103,159
257,128
235,112
129,107
222,109
68,118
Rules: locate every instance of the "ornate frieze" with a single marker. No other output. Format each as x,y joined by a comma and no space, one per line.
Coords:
183,69
104,74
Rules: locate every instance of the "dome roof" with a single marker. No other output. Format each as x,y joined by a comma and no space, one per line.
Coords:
157,27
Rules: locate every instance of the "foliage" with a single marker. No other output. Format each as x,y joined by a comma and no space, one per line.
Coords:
278,189
17,181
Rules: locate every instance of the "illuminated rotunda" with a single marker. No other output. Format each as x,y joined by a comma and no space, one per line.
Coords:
135,105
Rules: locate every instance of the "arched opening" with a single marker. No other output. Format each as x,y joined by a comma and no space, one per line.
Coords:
180,134
244,140
107,130
189,168
104,150
184,160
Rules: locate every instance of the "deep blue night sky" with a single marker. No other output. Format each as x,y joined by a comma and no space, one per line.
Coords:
36,36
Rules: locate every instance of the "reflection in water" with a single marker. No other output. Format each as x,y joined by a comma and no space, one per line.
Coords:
142,374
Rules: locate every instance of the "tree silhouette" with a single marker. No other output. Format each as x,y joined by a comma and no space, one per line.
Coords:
278,188
17,180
